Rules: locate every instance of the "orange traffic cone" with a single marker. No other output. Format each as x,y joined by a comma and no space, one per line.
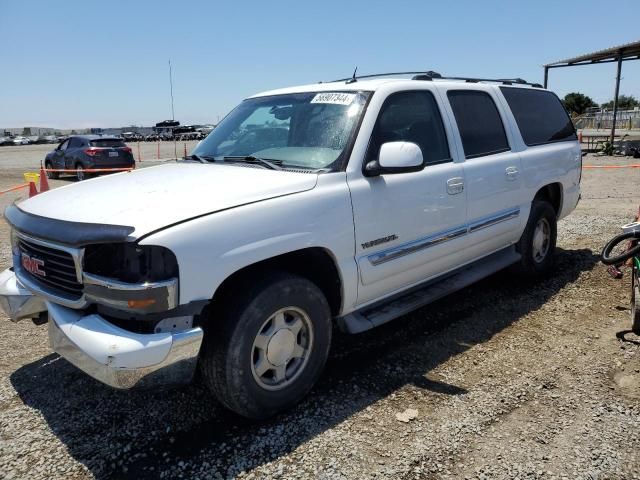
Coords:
33,191
44,182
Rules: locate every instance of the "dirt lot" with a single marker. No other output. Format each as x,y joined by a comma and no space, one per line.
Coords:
31,155
508,379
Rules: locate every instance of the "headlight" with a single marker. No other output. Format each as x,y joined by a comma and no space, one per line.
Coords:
128,262
131,277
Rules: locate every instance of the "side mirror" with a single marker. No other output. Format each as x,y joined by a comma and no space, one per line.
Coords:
396,157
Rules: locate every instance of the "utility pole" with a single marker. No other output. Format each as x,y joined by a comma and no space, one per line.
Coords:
173,115
615,99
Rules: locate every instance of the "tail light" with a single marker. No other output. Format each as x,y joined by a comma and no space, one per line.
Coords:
92,151
126,149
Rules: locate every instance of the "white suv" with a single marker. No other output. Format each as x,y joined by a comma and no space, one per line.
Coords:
351,202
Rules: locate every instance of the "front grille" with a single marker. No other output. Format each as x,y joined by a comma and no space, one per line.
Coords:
58,267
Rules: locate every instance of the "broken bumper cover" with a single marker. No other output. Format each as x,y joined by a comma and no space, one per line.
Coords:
118,357
112,355
18,302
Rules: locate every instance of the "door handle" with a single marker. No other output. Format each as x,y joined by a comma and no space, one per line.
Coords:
455,185
511,173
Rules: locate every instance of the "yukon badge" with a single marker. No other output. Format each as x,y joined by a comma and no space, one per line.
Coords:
33,265
378,241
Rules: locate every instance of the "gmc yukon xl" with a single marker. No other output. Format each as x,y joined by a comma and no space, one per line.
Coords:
351,202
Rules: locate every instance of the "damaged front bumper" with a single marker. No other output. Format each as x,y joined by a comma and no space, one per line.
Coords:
110,354
18,302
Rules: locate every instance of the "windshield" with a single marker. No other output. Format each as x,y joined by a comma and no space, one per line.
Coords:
301,130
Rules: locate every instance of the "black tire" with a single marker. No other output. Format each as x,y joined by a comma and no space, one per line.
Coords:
229,355
50,175
80,175
606,257
635,301
532,262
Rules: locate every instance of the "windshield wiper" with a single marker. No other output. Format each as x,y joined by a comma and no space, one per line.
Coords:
253,159
201,158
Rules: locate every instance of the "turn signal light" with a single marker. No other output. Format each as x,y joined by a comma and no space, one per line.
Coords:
143,303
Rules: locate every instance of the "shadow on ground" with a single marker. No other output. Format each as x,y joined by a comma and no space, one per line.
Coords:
623,334
135,434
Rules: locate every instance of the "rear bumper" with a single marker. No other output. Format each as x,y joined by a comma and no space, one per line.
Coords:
119,358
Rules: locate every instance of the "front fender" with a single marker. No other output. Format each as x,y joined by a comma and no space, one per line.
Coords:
211,248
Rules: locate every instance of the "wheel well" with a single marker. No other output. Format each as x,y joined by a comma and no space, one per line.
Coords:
314,264
552,194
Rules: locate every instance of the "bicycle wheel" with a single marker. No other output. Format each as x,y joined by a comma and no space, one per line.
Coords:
613,256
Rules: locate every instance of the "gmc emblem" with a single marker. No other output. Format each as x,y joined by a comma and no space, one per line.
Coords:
33,265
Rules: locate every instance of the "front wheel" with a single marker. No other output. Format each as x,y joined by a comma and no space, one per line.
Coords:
50,175
538,242
268,346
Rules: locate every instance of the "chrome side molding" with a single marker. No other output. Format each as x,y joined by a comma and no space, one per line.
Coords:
407,248
493,220
441,237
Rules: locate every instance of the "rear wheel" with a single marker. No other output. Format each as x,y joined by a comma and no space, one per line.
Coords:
80,173
538,242
268,346
50,175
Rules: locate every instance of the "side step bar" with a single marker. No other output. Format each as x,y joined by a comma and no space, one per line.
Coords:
421,295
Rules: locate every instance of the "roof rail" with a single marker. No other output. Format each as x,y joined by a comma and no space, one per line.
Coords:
374,75
431,75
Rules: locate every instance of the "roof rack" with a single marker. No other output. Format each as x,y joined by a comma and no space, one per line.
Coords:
431,75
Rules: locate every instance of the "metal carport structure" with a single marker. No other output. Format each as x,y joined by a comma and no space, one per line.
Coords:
619,54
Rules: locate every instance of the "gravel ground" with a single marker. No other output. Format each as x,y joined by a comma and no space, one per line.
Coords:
506,379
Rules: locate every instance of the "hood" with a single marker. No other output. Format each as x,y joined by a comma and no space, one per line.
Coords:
152,198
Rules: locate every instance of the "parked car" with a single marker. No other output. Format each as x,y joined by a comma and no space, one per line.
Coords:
132,136
82,152
351,202
628,148
21,141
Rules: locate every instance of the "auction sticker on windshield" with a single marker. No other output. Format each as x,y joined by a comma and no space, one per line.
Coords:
334,97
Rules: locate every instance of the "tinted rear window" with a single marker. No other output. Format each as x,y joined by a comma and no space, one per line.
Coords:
75,142
107,143
479,123
540,116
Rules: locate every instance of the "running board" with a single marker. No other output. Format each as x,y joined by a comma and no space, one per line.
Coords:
405,302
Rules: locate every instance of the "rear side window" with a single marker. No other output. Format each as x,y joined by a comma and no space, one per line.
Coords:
412,116
540,116
75,142
479,123
107,143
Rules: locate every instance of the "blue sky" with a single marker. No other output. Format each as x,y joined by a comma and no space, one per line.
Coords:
88,63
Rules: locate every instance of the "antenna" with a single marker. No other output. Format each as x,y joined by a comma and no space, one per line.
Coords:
353,79
173,115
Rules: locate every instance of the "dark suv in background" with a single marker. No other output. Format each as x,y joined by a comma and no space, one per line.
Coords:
84,152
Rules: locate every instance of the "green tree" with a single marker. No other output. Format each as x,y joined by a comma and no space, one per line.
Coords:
578,103
625,102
